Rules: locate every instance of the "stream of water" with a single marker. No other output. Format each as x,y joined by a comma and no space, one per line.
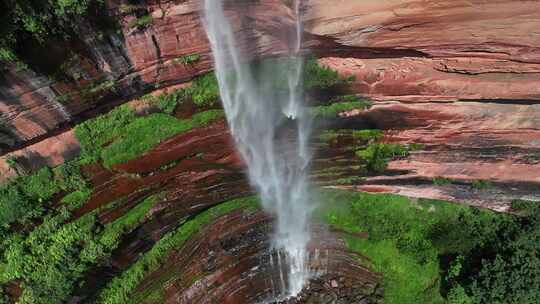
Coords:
263,102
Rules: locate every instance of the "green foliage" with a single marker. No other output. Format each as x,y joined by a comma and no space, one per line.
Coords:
458,295
368,134
37,21
47,259
527,207
512,273
328,135
141,135
167,102
481,184
88,92
406,238
441,181
141,22
187,59
120,135
11,161
121,287
145,132
204,90
25,197
76,199
95,133
111,236
332,110
377,155
321,77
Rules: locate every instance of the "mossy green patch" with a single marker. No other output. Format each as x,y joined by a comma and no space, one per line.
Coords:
332,110
119,135
317,76
406,238
377,155
367,134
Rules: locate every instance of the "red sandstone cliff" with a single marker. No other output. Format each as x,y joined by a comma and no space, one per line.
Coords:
459,76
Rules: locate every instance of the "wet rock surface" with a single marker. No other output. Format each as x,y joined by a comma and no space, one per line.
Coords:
231,261
328,289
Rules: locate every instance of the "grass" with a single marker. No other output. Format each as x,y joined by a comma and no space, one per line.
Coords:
121,287
114,231
187,59
204,90
368,134
407,238
441,181
377,155
141,22
317,76
119,135
481,184
332,110
328,135
204,93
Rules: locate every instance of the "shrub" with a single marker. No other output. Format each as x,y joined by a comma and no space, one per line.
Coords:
368,134
406,240
141,22
377,155
441,181
328,135
332,110
187,59
95,133
205,90
481,184
321,77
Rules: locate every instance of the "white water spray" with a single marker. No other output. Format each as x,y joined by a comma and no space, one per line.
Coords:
260,101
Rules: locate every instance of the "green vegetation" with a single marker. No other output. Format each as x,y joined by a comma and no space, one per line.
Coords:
187,59
368,134
340,104
441,181
204,93
121,287
56,254
409,240
328,135
144,133
332,110
205,90
141,22
42,246
365,136
25,198
481,184
36,22
91,91
377,155
321,77
120,135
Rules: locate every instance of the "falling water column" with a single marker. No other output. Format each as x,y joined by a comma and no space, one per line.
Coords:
259,104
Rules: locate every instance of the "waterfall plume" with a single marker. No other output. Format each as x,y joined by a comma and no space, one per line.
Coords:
263,102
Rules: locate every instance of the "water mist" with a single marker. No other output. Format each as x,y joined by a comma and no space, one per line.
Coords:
262,102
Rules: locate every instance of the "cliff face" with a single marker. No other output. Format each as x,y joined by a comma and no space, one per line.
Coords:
458,76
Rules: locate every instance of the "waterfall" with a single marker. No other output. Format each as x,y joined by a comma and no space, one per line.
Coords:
262,101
